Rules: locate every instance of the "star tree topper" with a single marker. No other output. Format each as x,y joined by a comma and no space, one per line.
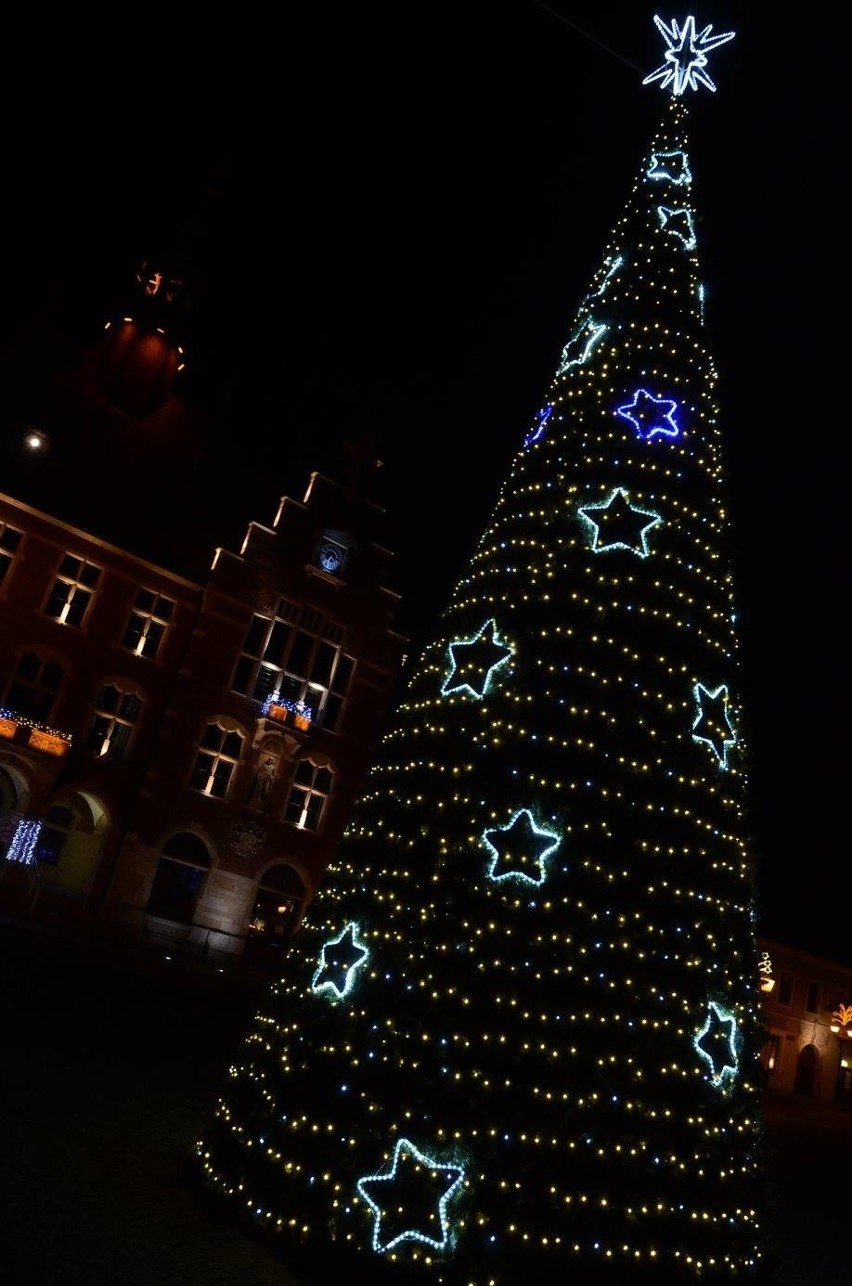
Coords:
686,55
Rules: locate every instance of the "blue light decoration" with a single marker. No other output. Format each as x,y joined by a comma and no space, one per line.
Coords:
340,958
718,1044
686,56
679,223
522,847
22,847
414,1179
473,661
712,723
540,425
579,347
650,415
627,524
673,167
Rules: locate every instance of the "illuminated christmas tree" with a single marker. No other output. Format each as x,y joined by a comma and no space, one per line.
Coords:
520,1026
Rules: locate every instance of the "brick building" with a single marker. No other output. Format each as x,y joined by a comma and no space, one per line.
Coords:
178,759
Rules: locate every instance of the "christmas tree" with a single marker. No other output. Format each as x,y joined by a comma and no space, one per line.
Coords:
519,1029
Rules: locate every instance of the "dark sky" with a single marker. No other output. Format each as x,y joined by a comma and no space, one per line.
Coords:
393,214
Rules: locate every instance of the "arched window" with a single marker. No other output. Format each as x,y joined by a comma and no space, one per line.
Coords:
34,686
276,912
179,877
310,789
59,822
219,751
116,713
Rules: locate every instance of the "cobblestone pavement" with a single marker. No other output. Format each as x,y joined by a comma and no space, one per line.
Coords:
110,1065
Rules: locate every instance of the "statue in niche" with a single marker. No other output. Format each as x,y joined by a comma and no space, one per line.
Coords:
263,779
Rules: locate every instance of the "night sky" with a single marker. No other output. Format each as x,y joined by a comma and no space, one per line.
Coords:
390,218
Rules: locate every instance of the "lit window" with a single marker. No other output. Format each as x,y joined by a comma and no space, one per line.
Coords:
296,655
219,752
309,792
115,716
10,540
73,591
149,622
33,689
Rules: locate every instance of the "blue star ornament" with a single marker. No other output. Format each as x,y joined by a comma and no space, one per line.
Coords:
474,661
649,415
686,55
537,430
616,524
718,1044
340,959
411,1202
712,724
520,850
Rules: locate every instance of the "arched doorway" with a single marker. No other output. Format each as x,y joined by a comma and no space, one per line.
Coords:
275,914
178,879
806,1070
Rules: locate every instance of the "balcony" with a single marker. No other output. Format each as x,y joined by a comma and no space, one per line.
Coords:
23,731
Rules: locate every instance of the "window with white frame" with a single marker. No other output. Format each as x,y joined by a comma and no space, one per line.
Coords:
219,752
114,720
10,541
297,656
73,591
34,686
310,790
150,619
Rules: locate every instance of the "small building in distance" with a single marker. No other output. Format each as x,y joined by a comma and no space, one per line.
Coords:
808,1014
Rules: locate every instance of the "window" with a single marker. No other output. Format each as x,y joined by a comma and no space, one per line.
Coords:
296,655
309,790
10,539
57,826
149,621
812,1002
73,591
178,878
33,689
219,752
111,730
785,989
771,1053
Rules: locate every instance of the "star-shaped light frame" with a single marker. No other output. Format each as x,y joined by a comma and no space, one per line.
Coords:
332,961
599,547
718,1017
586,337
520,821
540,425
671,167
719,744
403,1153
500,645
678,223
658,411
686,55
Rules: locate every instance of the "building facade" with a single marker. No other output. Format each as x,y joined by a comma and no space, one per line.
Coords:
808,1014
179,759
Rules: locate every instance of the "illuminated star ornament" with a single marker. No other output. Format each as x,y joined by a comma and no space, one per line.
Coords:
474,661
340,960
581,344
520,850
649,415
540,425
718,1044
678,223
672,167
616,524
612,263
410,1203
686,55
712,723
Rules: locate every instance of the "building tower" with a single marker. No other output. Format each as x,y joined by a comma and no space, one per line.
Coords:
519,1031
